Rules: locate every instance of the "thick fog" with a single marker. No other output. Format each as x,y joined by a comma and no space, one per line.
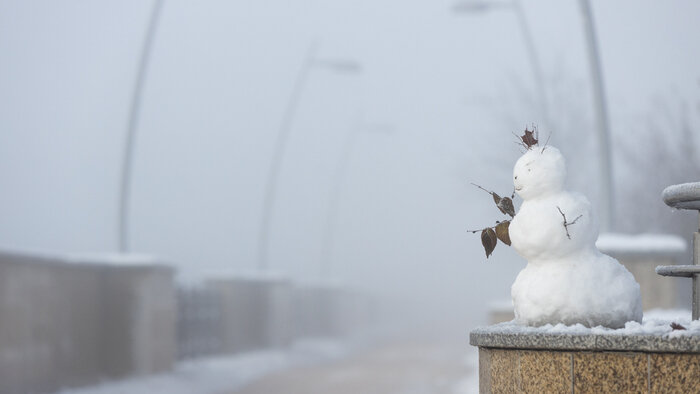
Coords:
432,107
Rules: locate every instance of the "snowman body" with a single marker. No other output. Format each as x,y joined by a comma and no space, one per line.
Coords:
567,279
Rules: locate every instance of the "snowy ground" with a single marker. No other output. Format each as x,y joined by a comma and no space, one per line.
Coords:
317,366
322,366
222,374
403,367
657,322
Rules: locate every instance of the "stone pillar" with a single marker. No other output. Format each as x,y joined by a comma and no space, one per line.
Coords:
50,324
640,254
317,311
139,320
256,312
512,360
66,323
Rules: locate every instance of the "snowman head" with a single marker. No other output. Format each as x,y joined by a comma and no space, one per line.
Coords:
539,173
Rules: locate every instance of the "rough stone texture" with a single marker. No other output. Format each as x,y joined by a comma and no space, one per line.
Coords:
543,369
674,373
539,371
505,371
585,363
495,337
605,372
484,370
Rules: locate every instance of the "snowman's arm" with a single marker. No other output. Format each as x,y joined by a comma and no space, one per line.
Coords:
566,223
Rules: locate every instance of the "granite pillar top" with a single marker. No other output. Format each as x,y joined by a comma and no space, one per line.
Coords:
650,336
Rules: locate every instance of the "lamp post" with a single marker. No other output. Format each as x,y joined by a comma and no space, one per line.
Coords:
134,113
341,173
478,6
605,166
340,66
602,123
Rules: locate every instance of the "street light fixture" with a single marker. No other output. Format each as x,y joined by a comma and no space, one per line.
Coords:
602,123
480,6
340,66
339,179
134,114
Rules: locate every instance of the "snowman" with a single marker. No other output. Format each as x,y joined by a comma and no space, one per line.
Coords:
567,279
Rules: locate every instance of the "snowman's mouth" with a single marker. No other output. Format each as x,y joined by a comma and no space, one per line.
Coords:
519,188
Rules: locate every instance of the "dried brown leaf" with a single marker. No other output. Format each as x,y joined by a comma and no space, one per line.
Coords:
488,240
496,198
506,206
676,326
502,232
529,138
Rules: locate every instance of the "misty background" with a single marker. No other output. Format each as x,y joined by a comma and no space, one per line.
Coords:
433,107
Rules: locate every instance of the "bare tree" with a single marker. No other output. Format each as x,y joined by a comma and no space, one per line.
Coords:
660,152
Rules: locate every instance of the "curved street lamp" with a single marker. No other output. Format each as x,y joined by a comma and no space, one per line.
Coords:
602,123
480,6
134,113
341,174
340,66
600,105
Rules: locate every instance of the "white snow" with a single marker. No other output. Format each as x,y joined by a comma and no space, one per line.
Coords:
253,276
655,322
567,279
640,243
98,258
220,374
122,259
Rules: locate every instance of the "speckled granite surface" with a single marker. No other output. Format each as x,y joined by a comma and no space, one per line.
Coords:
649,358
543,371
497,337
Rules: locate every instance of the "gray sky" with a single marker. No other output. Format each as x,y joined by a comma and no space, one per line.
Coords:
447,85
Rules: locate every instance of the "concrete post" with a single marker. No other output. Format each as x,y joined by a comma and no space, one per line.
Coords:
256,312
66,323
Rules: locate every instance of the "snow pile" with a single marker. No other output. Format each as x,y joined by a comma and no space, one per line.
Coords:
641,243
122,259
221,374
567,279
656,322
96,258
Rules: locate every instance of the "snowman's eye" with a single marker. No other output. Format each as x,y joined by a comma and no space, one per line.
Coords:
529,170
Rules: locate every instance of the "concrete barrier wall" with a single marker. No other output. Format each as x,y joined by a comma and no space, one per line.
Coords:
641,254
199,331
139,318
50,319
256,313
69,324
657,291
317,311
